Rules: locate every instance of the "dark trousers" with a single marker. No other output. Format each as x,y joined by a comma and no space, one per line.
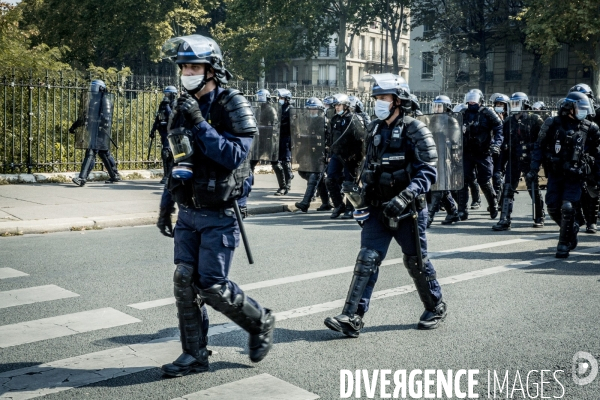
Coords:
90,160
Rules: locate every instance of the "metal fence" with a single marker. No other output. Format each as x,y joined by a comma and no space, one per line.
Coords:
37,111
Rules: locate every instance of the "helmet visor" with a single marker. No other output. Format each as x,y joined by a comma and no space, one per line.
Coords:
472,97
516,105
582,105
437,108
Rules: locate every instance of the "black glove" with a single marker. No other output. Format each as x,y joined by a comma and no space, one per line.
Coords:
495,149
396,206
164,223
152,134
532,175
190,110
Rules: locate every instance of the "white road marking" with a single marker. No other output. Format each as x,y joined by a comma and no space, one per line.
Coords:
38,294
260,387
61,375
63,325
336,271
6,273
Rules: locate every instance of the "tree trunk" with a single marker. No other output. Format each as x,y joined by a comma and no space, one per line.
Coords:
396,64
482,64
596,68
341,75
536,74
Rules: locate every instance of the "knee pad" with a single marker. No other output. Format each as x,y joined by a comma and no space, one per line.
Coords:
367,262
417,269
329,182
555,214
166,154
183,280
567,208
237,308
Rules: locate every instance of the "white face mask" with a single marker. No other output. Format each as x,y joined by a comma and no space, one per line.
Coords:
281,101
192,82
382,109
581,114
499,110
340,112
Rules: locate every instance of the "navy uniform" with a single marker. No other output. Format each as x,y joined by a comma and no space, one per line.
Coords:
398,170
482,137
283,166
160,124
97,121
346,134
210,137
566,147
521,131
500,103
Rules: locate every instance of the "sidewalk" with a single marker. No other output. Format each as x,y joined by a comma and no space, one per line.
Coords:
53,207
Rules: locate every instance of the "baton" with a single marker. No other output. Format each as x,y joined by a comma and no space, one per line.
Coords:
238,215
113,142
533,190
150,148
415,216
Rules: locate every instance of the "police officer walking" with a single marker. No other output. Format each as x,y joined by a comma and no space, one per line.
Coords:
283,166
346,134
500,103
482,137
93,129
211,132
564,146
160,125
399,169
521,131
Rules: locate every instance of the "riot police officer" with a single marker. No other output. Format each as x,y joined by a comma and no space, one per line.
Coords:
359,109
398,170
309,148
500,103
482,137
440,105
267,147
587,208
94,128
211,167
539,106
160,125
564,147
346,134
521,131
283,166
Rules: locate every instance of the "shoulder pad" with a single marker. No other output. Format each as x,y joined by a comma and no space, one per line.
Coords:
491,114
239,111
421,136
372,125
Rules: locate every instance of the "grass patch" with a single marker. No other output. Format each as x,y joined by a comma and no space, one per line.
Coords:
133,176
9,234
58,179
4,182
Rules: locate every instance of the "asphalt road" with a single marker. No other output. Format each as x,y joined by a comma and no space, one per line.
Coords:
535,313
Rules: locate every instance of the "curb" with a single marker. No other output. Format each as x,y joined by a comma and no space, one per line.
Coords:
18,228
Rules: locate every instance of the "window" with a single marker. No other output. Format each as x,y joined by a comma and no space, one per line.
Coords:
426,28
489,66
514,62
285,71
371,49
295,74
361,48
559,65
322,72
349,80
463,68
427,65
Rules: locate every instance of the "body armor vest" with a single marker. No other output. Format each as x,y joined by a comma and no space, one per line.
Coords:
565,152
213,185
522,138
343,137
477,133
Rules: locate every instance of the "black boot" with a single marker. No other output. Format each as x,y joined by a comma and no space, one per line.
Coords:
311,188
193,325
538,221
567,239
349,322
111,167
78,181
259,323
435,309
452,218
348,211
463,201
325,207
490,197
590,207
506,201
476,196
288,175
335,191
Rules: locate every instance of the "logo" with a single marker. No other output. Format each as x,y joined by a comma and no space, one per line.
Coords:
557,146
186,46
585,368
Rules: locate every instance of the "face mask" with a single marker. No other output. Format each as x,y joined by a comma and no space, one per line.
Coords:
192,82
382,109
499,110
340,112
282,102
581,114
473,107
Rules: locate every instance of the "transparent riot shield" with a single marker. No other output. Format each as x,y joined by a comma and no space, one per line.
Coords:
82,136
424,119
97,122
446,129
265,146
308,138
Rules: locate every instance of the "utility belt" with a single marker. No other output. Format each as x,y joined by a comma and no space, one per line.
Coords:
225,210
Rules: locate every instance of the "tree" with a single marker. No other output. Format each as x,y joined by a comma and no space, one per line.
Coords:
395,19
112,33
551,23
472,26
16,50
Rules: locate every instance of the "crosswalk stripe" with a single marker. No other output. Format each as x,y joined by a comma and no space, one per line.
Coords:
6,273
61,375
336,271
260,387
38,294
63,325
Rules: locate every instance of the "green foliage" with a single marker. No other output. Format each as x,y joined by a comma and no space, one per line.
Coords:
16,50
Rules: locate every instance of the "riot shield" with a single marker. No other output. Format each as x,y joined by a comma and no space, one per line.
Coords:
82,136
424,118
97,122
308,138
446,129
265,146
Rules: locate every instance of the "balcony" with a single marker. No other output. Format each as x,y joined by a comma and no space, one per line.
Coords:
326,82
559,73
328,52
513,75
